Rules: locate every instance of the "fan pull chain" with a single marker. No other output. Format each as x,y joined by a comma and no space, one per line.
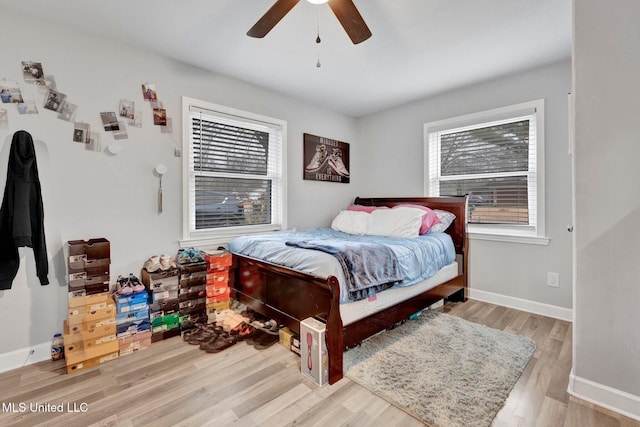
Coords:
318,40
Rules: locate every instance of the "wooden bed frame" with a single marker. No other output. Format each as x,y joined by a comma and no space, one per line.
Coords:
289,296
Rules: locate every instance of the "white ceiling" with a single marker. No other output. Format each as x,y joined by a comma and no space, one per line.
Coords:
418,48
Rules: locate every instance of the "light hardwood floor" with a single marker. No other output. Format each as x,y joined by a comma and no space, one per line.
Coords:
175,384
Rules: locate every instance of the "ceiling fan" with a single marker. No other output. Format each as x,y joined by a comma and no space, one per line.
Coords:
345,11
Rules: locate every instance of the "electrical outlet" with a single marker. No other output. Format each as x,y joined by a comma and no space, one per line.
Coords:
553,279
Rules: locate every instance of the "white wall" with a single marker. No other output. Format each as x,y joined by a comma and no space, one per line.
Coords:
607,148
392,147
94,194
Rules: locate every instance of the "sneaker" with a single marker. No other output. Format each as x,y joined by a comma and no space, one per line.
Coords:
167,262
153,264
135,284
122,286
183,257
318,158
336,163
195,255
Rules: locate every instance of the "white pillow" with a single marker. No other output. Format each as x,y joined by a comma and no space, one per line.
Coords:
352,222
397,222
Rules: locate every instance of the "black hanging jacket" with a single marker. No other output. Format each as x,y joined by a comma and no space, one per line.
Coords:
22,214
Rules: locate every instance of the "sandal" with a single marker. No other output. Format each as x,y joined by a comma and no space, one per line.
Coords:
265,341
243,331
205,335
270,326
211,340
220,344
198,329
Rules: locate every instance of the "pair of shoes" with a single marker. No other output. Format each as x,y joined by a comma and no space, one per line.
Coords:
194,332
162,262
167,262
220,343
270,326
262,340
122,286
229,320
189,256
128,285
243,331
204,337
135,284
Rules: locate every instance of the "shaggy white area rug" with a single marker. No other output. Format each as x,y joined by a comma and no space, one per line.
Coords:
441,369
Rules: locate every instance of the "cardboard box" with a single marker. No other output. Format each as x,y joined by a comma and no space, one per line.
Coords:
218,259
85,332
163,335
85,364
132,316
90,267
314,362
285,337
100,311
163,280
77,298
135,342
92,352
167,306
80,346
92,248
218,306
218,277
134,306
213,291
193,292
81,281
131,299
164,296
133,327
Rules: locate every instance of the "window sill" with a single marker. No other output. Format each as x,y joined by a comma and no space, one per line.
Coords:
509,238
214,239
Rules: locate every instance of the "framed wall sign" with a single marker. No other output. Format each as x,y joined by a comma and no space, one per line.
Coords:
326,159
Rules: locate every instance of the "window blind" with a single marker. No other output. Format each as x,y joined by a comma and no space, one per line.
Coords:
235,171
494,164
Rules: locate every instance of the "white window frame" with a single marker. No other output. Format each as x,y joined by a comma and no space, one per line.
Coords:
212,238
531,234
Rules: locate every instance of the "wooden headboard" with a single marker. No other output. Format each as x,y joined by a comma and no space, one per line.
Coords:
455,205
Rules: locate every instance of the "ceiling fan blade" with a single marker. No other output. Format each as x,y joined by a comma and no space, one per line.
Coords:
350,19
269,20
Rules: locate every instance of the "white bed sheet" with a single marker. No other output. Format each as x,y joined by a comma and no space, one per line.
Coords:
360,309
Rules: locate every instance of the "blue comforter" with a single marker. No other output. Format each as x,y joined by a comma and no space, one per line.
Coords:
418,258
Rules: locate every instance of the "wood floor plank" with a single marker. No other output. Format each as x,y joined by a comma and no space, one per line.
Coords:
552,413
175,384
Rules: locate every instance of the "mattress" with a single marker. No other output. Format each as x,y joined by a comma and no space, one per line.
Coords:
360,309
419,258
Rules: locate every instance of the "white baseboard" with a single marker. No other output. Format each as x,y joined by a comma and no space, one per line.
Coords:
605,396
522,304
25,356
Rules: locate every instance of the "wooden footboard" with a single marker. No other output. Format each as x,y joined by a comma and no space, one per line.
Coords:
289,296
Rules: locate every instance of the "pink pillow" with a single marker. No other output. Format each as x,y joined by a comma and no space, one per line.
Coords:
429,219
368,209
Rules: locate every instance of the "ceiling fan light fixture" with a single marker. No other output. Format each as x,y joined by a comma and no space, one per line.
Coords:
317,1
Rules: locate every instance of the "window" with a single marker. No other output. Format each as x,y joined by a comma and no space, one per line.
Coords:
233,172
494,157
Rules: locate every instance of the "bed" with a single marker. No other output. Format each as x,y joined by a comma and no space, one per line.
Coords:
290,296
